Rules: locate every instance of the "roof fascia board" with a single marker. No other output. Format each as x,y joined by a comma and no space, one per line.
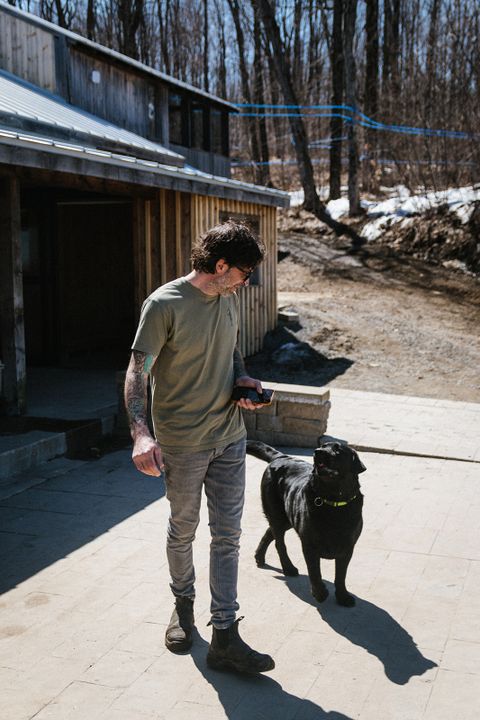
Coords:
24,153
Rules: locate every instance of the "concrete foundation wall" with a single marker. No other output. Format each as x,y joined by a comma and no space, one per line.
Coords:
298,416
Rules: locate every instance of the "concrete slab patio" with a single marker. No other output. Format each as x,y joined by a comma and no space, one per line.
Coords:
86,599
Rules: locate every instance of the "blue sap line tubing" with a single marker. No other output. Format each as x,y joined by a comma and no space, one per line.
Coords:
363,120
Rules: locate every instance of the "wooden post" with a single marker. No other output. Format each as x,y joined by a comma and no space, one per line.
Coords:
11,298
139,254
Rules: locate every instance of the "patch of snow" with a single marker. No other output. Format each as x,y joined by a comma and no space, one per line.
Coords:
400,205
296,198
404,205
338,208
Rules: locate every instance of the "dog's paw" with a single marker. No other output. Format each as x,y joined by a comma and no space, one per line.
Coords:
290,571
320,593
345,599
260,560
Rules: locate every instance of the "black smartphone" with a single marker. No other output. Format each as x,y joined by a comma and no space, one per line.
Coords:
263,398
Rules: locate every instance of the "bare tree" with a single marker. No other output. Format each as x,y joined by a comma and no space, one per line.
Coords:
259,98
312,201
130,17
206,83
336,124
163,12
371,93
245,84
222,51
349,22
91,19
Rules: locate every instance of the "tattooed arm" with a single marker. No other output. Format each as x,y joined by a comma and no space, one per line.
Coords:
146,455
242,379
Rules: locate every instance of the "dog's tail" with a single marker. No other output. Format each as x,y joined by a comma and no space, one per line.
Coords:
262,451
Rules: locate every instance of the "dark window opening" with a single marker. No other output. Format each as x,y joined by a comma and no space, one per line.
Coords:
219,130
175,118
198,125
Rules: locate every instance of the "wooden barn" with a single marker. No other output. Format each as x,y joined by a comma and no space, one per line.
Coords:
109,170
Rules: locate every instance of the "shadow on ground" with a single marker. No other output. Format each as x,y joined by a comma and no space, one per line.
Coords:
256,697
284,358
370,627
47,522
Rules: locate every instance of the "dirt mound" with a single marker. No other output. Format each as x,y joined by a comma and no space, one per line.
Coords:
438,236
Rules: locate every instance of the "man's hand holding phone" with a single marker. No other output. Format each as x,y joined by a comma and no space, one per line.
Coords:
249,394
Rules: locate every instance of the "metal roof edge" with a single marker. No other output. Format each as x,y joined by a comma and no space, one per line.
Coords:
76,38
188,175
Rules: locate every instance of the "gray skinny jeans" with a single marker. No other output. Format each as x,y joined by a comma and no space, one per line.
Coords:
222,472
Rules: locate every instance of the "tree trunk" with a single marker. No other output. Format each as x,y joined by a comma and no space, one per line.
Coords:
91,19
206,83
349,21
62,21
130,15
312,201
252,125
222,53
259,98
391,36
164,27
371,95
336,123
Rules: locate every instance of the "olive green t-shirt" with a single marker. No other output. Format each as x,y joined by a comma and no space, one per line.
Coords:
194,336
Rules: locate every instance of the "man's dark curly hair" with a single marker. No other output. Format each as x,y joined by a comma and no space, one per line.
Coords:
231,241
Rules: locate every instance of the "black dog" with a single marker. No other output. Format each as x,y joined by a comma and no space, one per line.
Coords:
322,503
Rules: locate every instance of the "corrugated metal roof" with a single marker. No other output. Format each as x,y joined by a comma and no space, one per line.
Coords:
74,37
26,107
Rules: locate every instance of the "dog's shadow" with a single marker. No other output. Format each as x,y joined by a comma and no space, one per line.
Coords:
257,697
370,627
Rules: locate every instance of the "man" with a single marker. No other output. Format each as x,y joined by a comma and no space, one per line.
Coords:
187,341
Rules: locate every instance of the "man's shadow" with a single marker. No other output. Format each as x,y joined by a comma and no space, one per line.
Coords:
255,697
370,627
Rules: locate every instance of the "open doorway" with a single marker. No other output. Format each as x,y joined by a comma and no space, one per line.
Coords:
78,278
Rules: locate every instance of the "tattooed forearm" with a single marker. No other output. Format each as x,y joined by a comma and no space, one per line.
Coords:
136,383
239,369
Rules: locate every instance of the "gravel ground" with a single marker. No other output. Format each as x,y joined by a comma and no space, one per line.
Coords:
373,320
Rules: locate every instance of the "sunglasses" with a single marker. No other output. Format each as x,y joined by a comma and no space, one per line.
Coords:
246,273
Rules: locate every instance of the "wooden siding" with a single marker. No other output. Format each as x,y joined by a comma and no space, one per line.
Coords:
121,97
209,162
27,51
168,242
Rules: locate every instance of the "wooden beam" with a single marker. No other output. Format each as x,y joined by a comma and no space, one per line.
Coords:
11,298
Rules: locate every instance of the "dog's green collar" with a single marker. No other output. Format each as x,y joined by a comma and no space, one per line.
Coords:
321,501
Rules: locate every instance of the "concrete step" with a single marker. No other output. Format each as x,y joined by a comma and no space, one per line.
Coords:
27,441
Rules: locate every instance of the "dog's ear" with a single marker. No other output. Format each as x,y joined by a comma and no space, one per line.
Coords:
358,466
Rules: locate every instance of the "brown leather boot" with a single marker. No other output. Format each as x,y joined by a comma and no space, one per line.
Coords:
178,636
228,651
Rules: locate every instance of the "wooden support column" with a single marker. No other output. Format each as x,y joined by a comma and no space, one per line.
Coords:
139,252
11,299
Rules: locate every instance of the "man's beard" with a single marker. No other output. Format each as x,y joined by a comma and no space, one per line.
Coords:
221,286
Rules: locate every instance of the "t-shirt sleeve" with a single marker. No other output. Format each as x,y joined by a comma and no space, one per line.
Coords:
153,328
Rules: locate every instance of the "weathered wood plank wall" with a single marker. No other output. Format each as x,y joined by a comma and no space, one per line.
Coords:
27,51
121,96
168,241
